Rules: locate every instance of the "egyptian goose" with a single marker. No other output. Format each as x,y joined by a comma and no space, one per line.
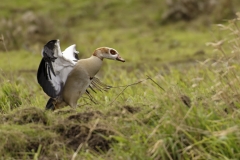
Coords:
83,74
55,67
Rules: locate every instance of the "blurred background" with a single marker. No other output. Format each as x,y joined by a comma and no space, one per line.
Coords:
165,27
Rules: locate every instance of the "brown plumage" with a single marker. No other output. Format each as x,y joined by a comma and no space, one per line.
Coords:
82,74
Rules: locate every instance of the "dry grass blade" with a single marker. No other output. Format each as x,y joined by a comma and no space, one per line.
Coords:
3,41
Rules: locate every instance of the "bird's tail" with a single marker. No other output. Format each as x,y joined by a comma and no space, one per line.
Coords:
50,104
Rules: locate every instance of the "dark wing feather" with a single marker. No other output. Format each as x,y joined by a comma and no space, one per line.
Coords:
76,56
96,83
43,79
48,57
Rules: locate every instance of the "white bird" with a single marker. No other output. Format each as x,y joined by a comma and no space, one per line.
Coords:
82,75
55,67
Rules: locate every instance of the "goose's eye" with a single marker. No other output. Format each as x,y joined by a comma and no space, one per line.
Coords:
113,52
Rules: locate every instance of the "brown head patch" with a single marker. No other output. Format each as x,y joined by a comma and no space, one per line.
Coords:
100,50
103,49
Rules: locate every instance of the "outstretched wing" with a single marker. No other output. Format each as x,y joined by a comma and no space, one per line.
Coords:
51,84
47,76
48,54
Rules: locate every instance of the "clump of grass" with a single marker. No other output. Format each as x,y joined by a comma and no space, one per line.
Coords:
10,98
208,130
27,115
23,142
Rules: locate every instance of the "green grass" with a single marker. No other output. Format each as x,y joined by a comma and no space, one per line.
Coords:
187,109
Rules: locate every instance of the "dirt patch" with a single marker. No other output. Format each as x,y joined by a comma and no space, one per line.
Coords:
73,134
27,115
123,111
132,109
86,116
186,100
96,141
61,136
64,111
77,129
21,142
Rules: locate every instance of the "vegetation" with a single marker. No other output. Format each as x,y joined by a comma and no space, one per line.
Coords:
173,98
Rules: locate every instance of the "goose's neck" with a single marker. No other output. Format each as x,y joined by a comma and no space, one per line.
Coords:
93,65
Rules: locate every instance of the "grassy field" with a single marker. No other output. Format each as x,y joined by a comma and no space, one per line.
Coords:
175,97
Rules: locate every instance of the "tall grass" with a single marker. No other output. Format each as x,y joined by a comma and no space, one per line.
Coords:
167,128
183,110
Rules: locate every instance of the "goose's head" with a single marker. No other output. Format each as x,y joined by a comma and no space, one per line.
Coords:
109,53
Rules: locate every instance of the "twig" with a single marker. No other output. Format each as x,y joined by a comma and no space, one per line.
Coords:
126,86
131,84
155,83
87,139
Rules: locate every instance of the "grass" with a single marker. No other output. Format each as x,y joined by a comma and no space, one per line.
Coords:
185,106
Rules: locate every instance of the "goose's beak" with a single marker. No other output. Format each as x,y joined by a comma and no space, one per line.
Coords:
120,59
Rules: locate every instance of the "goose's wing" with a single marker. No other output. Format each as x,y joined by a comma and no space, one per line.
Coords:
48,53
53,71
48,74
76,55
70,55
50,83
96,83
66,62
